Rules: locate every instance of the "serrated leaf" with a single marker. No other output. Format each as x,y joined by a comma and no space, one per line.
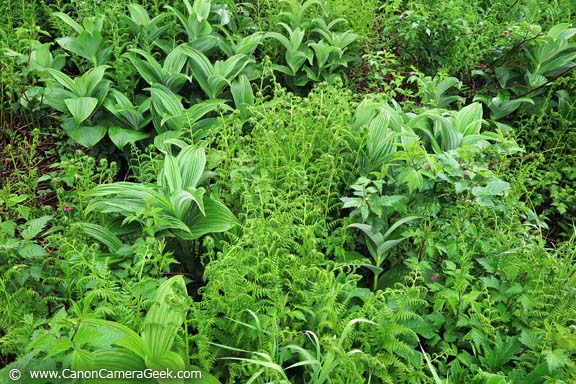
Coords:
556,359
31,251
495,187
34,227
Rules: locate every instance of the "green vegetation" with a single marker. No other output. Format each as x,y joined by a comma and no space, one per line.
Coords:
318,191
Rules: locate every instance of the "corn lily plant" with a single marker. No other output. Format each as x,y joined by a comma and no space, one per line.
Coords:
153,348
79,98
88,43
177,206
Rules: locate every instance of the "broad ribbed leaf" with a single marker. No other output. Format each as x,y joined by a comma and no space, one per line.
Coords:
470,119
499,109
171,360
87,136
165,317
130,340
55,96
562,31
167,109
450,137
182,201
204,43
166,101
88,46
218,218
242,94
171,176
117,360
175,61
559,64
385,246
81,108
123,188
81,359
68,20
375,237
138,14
398,223
92,78
103,235
191,162
63,79
248,44
198,111
149,69
280,38
200,9
101,91
166,221
121,136
201,67
232,67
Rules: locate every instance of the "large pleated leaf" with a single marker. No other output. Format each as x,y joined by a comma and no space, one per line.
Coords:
68,20
117,359
191,162
81,108
81,360
55,96
166,105
165,318
150,70
398,223
134,190
92,78
102,234
242,94
198,111
218,218
171,177
201,66
182,201
129,340
232,67
122,136
63,79
175,61
167,222
86,136
470,119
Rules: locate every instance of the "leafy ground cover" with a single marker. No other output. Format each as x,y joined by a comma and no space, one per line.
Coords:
289,192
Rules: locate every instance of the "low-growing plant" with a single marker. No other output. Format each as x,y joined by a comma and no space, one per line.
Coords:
526,69
89,43
176,207
324,49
